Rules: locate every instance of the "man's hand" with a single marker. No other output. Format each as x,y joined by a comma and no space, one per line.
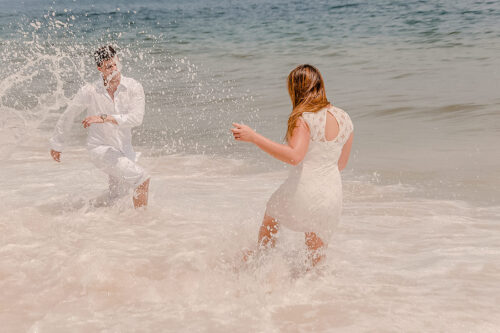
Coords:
56,155
91,120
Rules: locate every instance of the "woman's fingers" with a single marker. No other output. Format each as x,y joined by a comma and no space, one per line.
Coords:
238,131
236,134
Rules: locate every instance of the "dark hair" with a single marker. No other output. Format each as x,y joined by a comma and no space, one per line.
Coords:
104,53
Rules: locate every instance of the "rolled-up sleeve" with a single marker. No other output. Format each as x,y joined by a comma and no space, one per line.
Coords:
77,105
136,109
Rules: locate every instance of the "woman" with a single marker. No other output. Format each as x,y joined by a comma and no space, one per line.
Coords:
319,140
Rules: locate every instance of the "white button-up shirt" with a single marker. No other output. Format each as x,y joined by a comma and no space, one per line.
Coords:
127,108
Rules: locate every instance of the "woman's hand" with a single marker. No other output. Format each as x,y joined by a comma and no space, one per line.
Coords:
243,133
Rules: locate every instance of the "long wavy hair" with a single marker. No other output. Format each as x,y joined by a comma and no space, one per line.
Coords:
307,92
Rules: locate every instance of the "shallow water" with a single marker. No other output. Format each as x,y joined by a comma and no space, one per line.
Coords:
418,246
397,263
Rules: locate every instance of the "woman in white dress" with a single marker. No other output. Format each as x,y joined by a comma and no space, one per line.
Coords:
319,140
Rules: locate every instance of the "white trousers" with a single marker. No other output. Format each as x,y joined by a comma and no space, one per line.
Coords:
124,174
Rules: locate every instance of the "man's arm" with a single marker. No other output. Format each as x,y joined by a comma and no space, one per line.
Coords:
98,120
136,111
63,125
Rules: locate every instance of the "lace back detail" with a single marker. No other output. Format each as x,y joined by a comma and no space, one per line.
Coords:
345,124
317,123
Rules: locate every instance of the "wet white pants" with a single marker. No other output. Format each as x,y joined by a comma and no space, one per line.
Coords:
124,174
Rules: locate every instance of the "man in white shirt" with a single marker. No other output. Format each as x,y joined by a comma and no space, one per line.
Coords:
114,106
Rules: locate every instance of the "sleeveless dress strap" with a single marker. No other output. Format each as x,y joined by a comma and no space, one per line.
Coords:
345,124
316,122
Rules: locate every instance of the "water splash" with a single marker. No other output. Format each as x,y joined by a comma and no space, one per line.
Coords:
187,107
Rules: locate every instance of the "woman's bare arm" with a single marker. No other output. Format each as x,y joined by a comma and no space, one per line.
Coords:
346,151
292,153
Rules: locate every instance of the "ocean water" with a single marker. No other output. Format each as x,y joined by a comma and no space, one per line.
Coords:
417,249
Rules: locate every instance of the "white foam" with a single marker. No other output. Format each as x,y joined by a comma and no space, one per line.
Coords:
180,259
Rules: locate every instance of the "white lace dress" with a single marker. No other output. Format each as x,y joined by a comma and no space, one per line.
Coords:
310,199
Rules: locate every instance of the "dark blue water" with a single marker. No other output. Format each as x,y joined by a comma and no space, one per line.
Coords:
264,21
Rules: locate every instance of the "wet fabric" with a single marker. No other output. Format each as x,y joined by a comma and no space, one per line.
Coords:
127,108
119,167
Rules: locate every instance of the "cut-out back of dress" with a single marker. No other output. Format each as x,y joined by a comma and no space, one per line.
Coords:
337,128
317,124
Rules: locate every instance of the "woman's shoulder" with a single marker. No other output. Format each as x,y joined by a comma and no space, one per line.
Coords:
337,109
306,116
341,112
343,118
310,118
309,114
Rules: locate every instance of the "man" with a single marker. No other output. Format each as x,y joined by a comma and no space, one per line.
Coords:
114,105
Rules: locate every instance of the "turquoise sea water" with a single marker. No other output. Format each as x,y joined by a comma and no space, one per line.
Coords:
417,249
419,78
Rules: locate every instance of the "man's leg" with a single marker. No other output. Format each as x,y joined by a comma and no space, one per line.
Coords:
140,197
117,188
122,170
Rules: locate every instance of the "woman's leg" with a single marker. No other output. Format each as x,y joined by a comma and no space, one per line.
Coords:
267,236
267,232
315,246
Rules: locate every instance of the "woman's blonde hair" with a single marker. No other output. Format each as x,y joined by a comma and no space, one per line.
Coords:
307,92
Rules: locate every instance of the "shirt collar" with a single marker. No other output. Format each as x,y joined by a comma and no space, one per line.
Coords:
122,86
